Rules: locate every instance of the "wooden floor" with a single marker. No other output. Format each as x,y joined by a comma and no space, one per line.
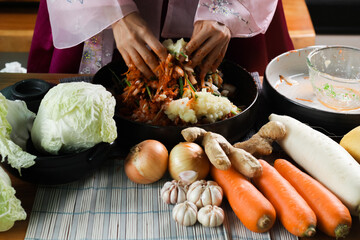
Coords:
17,25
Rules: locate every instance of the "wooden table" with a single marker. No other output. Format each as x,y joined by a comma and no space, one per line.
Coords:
26,191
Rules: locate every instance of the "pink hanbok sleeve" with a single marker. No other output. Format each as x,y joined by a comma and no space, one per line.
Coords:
74,21
244,18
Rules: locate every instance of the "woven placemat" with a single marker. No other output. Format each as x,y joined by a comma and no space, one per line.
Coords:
107,205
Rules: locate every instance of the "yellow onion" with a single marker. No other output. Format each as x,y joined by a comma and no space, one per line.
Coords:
147,162
188,156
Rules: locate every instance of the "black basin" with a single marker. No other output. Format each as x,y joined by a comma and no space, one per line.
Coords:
55,169
50,170
247,94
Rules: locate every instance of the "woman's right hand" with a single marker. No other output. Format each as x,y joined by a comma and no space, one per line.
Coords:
133,39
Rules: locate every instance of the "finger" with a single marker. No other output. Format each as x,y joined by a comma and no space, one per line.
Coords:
220,58
157,47
202,75
148,57
138,61
125,56
210,60
196,41
209,46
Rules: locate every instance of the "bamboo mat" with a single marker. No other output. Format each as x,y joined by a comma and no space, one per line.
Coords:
107,205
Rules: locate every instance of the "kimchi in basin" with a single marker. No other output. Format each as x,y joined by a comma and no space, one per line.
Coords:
131,132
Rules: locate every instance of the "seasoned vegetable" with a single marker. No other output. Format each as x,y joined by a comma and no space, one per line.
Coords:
15,123
10,206
174,96
333,217
73,117
249,205
293,211
324,159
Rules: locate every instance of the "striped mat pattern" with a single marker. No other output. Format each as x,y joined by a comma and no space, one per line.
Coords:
107,205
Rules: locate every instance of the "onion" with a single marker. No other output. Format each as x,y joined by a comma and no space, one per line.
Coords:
187,156
147,162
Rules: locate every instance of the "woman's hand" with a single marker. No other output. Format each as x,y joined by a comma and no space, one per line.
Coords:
132,36
208,45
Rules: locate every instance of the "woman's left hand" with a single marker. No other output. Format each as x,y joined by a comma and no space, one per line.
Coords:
207,46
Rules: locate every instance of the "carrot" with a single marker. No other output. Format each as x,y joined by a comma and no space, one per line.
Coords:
324,159
249,205
293,211
333,216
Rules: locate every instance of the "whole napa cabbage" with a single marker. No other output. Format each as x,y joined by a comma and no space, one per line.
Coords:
10,207
73,117
15,124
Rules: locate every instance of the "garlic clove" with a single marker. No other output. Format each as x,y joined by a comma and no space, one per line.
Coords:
166,197
185,213
188,177
216,194
206,197
165,193
177,195
211,216
173,192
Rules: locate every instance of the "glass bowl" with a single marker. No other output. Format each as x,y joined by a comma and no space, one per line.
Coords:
334,73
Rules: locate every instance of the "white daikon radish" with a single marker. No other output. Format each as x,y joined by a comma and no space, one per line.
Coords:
324,159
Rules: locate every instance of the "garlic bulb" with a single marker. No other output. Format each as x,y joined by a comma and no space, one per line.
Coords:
185,213
204,193
174,192
211,216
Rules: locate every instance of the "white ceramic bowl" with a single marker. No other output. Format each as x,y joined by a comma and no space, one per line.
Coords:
288,90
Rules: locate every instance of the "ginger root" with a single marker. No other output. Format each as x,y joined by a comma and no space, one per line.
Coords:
245,163
193,134
222,154
217,148
261,143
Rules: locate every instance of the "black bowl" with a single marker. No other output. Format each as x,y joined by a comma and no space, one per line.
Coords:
31,91
292,65
54,169
233,129
61,169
